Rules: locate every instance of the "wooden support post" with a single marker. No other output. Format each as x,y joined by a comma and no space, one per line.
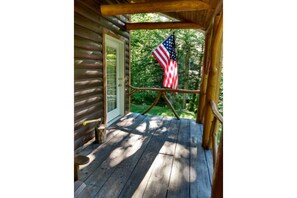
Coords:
216,23
153,7
214,142
205,71
154,103
162,93
212,84
217,184
133,92
170,105
216,127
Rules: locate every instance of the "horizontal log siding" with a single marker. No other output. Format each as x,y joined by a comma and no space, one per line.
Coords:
88,64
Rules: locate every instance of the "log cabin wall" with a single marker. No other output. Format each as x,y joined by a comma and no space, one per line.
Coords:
88,64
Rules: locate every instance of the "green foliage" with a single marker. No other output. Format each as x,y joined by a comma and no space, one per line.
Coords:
146,71
162,111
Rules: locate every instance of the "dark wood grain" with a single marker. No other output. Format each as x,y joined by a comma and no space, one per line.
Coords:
88,59
86,44
144,158
180,174
209,160
87,92
87,54
118,164
87,34
111,132
87,64
87,83
87,23
80,190
199,174
83,9
162,165
78,123
140,176
159,178
102,152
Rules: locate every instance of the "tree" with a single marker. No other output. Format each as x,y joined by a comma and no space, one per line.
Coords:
146,71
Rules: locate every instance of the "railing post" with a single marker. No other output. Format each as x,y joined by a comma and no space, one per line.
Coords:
203,85
212,84
217,184
217,180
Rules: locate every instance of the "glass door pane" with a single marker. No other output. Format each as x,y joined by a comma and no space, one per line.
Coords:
111,75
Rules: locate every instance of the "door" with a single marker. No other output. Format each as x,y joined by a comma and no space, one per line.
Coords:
114,59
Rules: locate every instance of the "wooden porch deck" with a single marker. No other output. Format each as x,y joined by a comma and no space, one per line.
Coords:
148,156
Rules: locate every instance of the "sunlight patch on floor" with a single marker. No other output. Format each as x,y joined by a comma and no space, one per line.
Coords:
193,175
129,122
182,151
130,147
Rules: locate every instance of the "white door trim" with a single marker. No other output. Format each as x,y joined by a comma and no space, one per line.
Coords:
119,46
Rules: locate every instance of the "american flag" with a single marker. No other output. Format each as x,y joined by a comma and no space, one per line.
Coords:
166,56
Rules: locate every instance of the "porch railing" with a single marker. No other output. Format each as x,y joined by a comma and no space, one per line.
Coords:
162,92
217,184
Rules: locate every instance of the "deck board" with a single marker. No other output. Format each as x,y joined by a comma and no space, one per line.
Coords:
159,178
199,167
101,152
148,156
114,158
180,174
145,162
117,180
209,159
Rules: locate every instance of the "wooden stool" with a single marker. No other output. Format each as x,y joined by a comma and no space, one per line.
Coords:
79,160
100,130
100,133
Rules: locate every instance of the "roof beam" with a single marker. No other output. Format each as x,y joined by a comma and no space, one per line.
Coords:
153,7
216,11
162,25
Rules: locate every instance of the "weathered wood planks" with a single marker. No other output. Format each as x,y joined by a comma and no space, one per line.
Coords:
117,180
148,156
139,178
99,153
120,162
180,174
199,172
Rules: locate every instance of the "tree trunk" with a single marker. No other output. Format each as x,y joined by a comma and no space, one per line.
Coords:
198,80
204,77
187,62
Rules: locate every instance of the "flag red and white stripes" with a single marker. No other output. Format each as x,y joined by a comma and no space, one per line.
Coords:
166,56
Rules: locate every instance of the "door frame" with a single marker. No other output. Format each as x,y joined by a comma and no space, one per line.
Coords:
111,36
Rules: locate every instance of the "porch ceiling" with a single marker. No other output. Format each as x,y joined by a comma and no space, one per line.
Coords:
200,16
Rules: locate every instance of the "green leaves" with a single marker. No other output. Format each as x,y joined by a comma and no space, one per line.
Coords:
146,71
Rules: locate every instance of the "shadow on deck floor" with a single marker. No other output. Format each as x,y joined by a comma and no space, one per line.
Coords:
148,156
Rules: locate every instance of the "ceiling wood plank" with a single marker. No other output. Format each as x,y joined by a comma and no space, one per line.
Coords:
153,7
162,25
